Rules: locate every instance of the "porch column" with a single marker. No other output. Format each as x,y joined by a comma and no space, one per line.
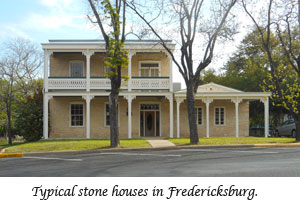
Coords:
170,98
178,102
171,70
88,55
129,101
45,115
265,100
236,101
88,99
207,101
130,55
47,54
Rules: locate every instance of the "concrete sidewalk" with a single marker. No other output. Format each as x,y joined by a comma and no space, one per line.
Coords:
158,143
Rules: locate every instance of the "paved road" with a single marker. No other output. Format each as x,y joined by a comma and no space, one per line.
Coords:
213,162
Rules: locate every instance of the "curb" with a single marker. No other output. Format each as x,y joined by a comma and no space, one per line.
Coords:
151,149
11,155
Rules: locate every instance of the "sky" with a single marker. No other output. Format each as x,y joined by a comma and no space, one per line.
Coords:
41,20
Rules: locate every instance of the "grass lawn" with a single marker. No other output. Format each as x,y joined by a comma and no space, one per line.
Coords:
69,145
233,140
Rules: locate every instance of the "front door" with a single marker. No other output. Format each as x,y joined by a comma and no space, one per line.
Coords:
149,120
149,123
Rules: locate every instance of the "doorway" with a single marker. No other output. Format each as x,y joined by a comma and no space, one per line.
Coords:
149,120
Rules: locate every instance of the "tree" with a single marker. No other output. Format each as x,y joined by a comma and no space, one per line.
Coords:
282,23
29,114
116,56
193,23
18,66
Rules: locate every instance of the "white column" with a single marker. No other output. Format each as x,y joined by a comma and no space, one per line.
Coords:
88,99
47,54
178,102
266,108
170,98
45,115
171,70
129,101
236,101
88,55
130,55
207,101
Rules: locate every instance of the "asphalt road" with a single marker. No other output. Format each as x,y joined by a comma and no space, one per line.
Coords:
212,162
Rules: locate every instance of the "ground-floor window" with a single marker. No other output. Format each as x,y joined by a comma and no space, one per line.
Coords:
76,115
219,116
199,115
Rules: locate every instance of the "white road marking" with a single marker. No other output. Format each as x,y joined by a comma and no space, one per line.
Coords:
215,150
50,158
137,154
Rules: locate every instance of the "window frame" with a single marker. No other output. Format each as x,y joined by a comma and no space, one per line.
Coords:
107,126
149,61
83,67
202,112
70,115
219,107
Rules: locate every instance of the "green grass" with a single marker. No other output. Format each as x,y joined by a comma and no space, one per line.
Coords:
71,145
233,140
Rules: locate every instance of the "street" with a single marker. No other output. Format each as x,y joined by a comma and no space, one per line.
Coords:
200,162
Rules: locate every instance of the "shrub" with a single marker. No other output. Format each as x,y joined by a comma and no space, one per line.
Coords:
29,117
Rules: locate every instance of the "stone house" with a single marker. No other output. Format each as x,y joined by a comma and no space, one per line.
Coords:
76,95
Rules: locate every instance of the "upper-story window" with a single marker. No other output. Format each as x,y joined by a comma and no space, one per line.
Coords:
149,69
77,69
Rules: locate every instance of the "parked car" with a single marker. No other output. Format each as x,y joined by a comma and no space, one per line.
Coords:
287,128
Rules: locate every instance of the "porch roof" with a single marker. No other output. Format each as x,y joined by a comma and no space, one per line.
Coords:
213,90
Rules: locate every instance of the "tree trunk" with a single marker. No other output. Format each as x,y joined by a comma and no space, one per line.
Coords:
113,114
297,124
9,124
194,139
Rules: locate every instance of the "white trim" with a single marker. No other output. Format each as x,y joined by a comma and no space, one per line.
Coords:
150,61
202,112
77,61
107,126
70,114
220,116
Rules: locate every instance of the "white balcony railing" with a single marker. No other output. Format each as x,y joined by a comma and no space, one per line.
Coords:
137,83
150,83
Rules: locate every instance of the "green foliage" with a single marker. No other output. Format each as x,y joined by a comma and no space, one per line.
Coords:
284,81
29,116
116,54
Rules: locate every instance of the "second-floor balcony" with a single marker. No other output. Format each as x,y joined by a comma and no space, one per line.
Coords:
102,83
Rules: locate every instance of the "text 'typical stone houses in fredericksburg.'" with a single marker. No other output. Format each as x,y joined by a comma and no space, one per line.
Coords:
76,94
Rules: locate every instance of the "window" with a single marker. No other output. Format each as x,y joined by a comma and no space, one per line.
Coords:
199,113
76,115
219,116
106,70
76,68
107,117
149,69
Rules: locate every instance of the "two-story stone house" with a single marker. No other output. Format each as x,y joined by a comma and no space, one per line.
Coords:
76,95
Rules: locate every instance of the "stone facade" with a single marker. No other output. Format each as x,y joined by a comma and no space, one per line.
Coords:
60,64
60,118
